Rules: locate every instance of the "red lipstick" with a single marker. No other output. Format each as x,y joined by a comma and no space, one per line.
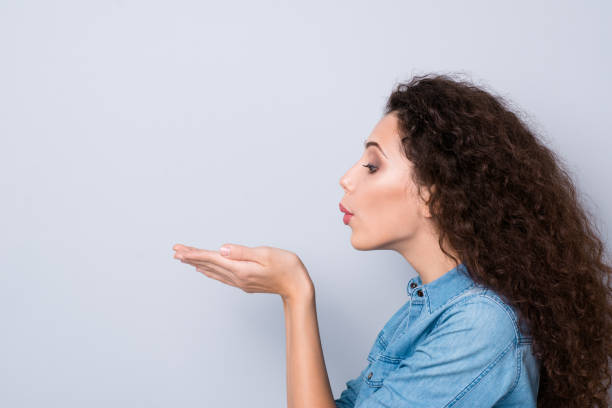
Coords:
347,214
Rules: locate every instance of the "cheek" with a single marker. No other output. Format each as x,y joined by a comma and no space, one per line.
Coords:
393,211
388,214
400,221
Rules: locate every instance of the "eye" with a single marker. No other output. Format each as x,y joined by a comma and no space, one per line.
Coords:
370,166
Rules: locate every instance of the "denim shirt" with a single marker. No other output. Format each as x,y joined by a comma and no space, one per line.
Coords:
454,343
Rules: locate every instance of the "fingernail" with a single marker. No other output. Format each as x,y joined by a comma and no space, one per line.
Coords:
224,251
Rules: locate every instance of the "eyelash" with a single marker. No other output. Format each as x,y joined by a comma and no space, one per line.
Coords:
370,166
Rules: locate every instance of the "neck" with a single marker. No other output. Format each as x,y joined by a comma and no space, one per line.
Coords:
423,253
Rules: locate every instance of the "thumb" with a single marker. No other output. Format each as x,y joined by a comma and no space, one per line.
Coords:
239,252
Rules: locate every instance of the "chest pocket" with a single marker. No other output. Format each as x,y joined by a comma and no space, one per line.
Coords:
379,368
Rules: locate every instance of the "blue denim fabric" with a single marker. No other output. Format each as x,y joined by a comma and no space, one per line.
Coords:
452,344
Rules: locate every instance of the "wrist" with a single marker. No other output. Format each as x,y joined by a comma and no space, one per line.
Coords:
304,291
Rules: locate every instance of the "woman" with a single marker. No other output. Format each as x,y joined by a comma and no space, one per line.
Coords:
511,302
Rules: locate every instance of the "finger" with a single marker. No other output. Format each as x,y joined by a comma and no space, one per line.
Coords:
243,253
182,251
212,258
212,274
233,269
196,262
216,269
180,248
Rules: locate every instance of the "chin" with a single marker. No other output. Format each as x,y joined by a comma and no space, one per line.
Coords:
362,245
375,242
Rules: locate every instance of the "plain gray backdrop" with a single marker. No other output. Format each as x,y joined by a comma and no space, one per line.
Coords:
129,126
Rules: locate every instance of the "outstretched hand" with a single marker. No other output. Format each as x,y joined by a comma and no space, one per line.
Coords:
260,269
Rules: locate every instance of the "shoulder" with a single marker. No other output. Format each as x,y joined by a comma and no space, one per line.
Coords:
483,316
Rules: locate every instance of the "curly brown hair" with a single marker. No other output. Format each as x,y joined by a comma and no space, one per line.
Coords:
508,207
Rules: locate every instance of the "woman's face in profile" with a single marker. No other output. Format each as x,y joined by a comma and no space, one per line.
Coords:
388,214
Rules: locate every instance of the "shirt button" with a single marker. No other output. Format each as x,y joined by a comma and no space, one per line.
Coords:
370,375
413,285
420,293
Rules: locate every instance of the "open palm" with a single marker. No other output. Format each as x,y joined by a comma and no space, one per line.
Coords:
260,269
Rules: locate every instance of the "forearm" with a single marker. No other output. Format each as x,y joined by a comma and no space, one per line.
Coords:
307,381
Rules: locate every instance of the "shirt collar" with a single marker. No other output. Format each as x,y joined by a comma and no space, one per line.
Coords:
437,292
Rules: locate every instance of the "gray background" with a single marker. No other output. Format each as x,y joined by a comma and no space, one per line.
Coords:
129,126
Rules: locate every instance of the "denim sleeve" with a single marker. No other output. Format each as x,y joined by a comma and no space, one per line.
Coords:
467,360
348,396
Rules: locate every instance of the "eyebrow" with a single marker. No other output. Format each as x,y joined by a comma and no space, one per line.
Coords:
368,144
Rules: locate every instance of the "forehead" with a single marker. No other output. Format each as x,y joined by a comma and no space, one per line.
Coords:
386,133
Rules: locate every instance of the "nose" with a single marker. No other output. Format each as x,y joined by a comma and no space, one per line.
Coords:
344,182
